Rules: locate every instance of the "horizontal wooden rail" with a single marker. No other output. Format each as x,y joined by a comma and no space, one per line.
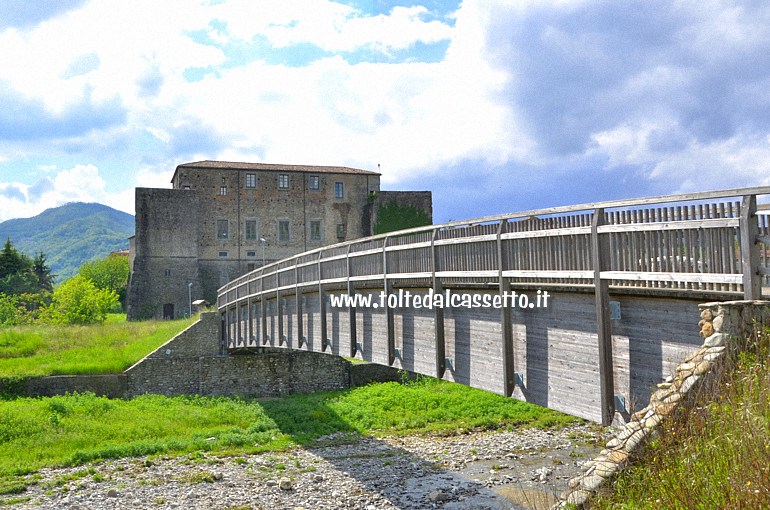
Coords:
700,244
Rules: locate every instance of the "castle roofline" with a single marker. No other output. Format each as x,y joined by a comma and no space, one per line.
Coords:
267,167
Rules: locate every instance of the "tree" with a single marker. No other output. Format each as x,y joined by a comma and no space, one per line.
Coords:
43,273
110,273
78,301
12,261
11,313
20,274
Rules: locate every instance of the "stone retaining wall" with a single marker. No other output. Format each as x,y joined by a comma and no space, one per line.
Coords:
192,363
723,326
108,385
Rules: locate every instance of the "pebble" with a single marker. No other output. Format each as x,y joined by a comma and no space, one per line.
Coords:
341,472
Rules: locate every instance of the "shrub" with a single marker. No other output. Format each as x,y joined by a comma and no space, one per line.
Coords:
78,301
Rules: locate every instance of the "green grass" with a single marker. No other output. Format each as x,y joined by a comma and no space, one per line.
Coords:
713,453
76,429
39,350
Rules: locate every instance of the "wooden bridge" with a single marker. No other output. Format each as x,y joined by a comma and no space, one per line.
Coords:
622,281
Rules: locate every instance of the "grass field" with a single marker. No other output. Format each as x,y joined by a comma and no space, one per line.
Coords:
39,350
76,429
714,453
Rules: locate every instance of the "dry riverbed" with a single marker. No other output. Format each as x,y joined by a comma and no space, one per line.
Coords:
484,470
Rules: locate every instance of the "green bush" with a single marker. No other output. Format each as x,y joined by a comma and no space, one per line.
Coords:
79,301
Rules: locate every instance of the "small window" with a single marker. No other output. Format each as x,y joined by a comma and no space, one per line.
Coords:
251,230
223,190
251,254
223,254
186,186
314,182
315,230
283,181
340,231
251,180
284,231
339,190
223,229
167,272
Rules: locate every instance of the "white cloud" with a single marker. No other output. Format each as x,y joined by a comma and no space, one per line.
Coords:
673,94
82,183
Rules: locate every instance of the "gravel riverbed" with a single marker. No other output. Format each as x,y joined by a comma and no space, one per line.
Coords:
524,469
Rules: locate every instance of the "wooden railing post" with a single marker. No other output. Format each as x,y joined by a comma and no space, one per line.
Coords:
352,309
387,287
263,306
749,230
322,303
438,312
298,307
600,256
504,288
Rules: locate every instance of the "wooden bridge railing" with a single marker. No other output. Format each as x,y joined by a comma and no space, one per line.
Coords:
710,244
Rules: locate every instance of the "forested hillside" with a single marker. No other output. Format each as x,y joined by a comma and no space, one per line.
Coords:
70,235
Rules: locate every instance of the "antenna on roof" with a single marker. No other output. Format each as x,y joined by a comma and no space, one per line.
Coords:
378,167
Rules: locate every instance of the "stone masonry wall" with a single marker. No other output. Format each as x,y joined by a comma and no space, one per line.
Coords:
723,326
192,363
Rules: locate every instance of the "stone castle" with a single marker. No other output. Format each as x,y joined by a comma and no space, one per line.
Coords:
222,219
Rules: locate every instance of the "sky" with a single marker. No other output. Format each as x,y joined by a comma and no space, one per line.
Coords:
495,106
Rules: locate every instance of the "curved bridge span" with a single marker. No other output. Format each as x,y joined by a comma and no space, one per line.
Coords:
579,308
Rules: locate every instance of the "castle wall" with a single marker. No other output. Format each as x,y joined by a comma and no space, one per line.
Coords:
422,200
207,229
166,254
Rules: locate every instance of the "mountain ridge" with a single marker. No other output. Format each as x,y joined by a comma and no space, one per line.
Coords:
70,235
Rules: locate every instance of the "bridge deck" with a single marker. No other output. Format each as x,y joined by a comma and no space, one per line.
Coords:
701,246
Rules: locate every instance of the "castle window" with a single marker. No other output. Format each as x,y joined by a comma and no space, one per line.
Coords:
223,254
251,254
251,180
223,229
315,230
284,231
340,231
314,182
251,230
223,190
283,181
167,272
339,190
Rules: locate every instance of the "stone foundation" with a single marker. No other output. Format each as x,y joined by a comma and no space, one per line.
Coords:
723,326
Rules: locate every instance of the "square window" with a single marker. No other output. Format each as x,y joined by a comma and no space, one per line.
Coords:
315,230
283,181
314,182
251,254
251,230
251,180
223,254
284,231
339,190
223,190
223,229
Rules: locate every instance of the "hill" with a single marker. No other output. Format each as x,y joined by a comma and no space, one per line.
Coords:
70,235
